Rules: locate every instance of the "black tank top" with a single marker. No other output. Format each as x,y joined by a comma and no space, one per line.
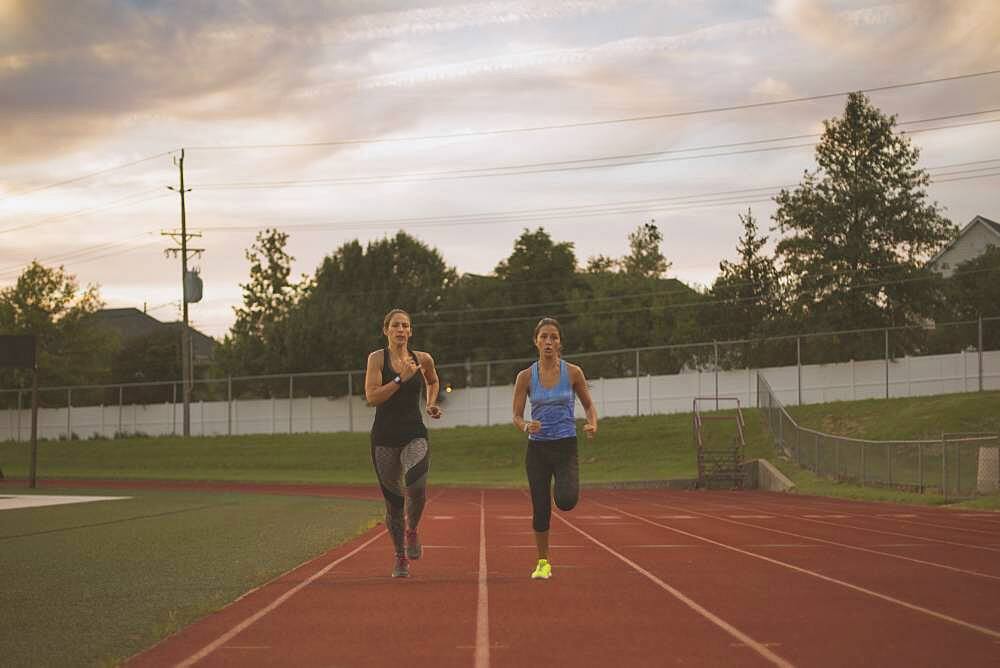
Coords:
398,420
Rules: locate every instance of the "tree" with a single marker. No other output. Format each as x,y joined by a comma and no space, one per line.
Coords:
859,229
973,290
601,264
644,258
48,302
744,301
539,276
256,342
339,318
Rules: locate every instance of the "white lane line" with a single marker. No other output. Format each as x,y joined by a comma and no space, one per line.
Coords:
515,517
751,517
260,614
675,517
482,655
758,647
885,532
858,548
17,501
885,597
826,517
442,517
532,547
666,545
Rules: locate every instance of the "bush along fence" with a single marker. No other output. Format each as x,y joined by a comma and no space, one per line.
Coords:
955,466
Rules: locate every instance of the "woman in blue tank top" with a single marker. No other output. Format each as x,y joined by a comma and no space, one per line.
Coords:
552,385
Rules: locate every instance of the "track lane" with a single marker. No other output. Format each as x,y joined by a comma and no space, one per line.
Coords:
351,613
595,611
803,610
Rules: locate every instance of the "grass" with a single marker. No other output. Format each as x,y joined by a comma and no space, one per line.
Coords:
915,418
91,584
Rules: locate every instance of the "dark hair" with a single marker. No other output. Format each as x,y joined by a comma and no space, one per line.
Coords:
388,317
547,321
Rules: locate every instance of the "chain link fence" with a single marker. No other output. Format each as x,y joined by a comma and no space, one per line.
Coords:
806,368
955,466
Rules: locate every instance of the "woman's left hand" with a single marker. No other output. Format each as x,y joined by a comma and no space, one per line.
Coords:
434,411
591,429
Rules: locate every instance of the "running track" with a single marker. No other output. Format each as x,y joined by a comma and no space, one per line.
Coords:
641,578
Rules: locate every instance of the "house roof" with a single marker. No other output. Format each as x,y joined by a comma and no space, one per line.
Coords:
131,322
977,220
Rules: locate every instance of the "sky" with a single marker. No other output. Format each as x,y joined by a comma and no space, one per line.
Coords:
461,123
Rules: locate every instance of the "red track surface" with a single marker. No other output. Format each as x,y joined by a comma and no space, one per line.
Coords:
641,578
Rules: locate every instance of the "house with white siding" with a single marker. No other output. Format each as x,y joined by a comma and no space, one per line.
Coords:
972,242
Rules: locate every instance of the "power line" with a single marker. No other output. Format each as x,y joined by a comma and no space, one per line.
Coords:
582,124
663,204
28,191
668,307
580,164
128,200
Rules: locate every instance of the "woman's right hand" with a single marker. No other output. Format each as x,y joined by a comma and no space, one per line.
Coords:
410,368
532,426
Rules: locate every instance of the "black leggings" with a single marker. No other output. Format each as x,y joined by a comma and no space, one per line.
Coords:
402,476
543,461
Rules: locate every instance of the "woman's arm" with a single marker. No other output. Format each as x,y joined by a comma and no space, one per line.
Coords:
583,392
520,399
375,392
433,384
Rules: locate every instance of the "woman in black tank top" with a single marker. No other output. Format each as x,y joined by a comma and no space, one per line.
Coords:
394,382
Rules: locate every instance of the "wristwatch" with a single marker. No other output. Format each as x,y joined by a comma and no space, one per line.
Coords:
397,380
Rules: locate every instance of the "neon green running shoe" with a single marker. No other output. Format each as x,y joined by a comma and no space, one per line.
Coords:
543,570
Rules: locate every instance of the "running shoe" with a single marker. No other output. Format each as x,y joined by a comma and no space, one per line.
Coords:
402,567
543,570
414,550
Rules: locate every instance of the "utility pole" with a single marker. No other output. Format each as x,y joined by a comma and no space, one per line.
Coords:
181,237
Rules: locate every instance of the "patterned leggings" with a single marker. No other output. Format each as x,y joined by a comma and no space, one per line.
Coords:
402,475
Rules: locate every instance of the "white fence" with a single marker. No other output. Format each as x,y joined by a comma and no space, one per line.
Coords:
645,395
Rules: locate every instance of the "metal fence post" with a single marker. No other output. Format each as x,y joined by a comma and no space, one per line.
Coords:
862,464
816,454
888,459
637,383
69,414
229,405
488,379
715,346
173,411
798,364
920,466
350,402
121,405
980,346
944,468
19,416
291,394
887,363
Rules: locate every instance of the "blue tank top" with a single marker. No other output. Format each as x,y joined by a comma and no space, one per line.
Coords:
552,406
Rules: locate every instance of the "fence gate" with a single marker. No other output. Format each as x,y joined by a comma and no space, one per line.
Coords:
718,439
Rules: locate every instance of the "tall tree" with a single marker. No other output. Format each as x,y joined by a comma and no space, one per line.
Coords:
645,258
539,276
256,342
744,301
49,303
859,229
339,319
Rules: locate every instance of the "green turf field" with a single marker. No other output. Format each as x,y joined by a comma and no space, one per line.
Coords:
90,584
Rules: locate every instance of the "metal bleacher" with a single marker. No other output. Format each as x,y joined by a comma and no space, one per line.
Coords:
718,438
